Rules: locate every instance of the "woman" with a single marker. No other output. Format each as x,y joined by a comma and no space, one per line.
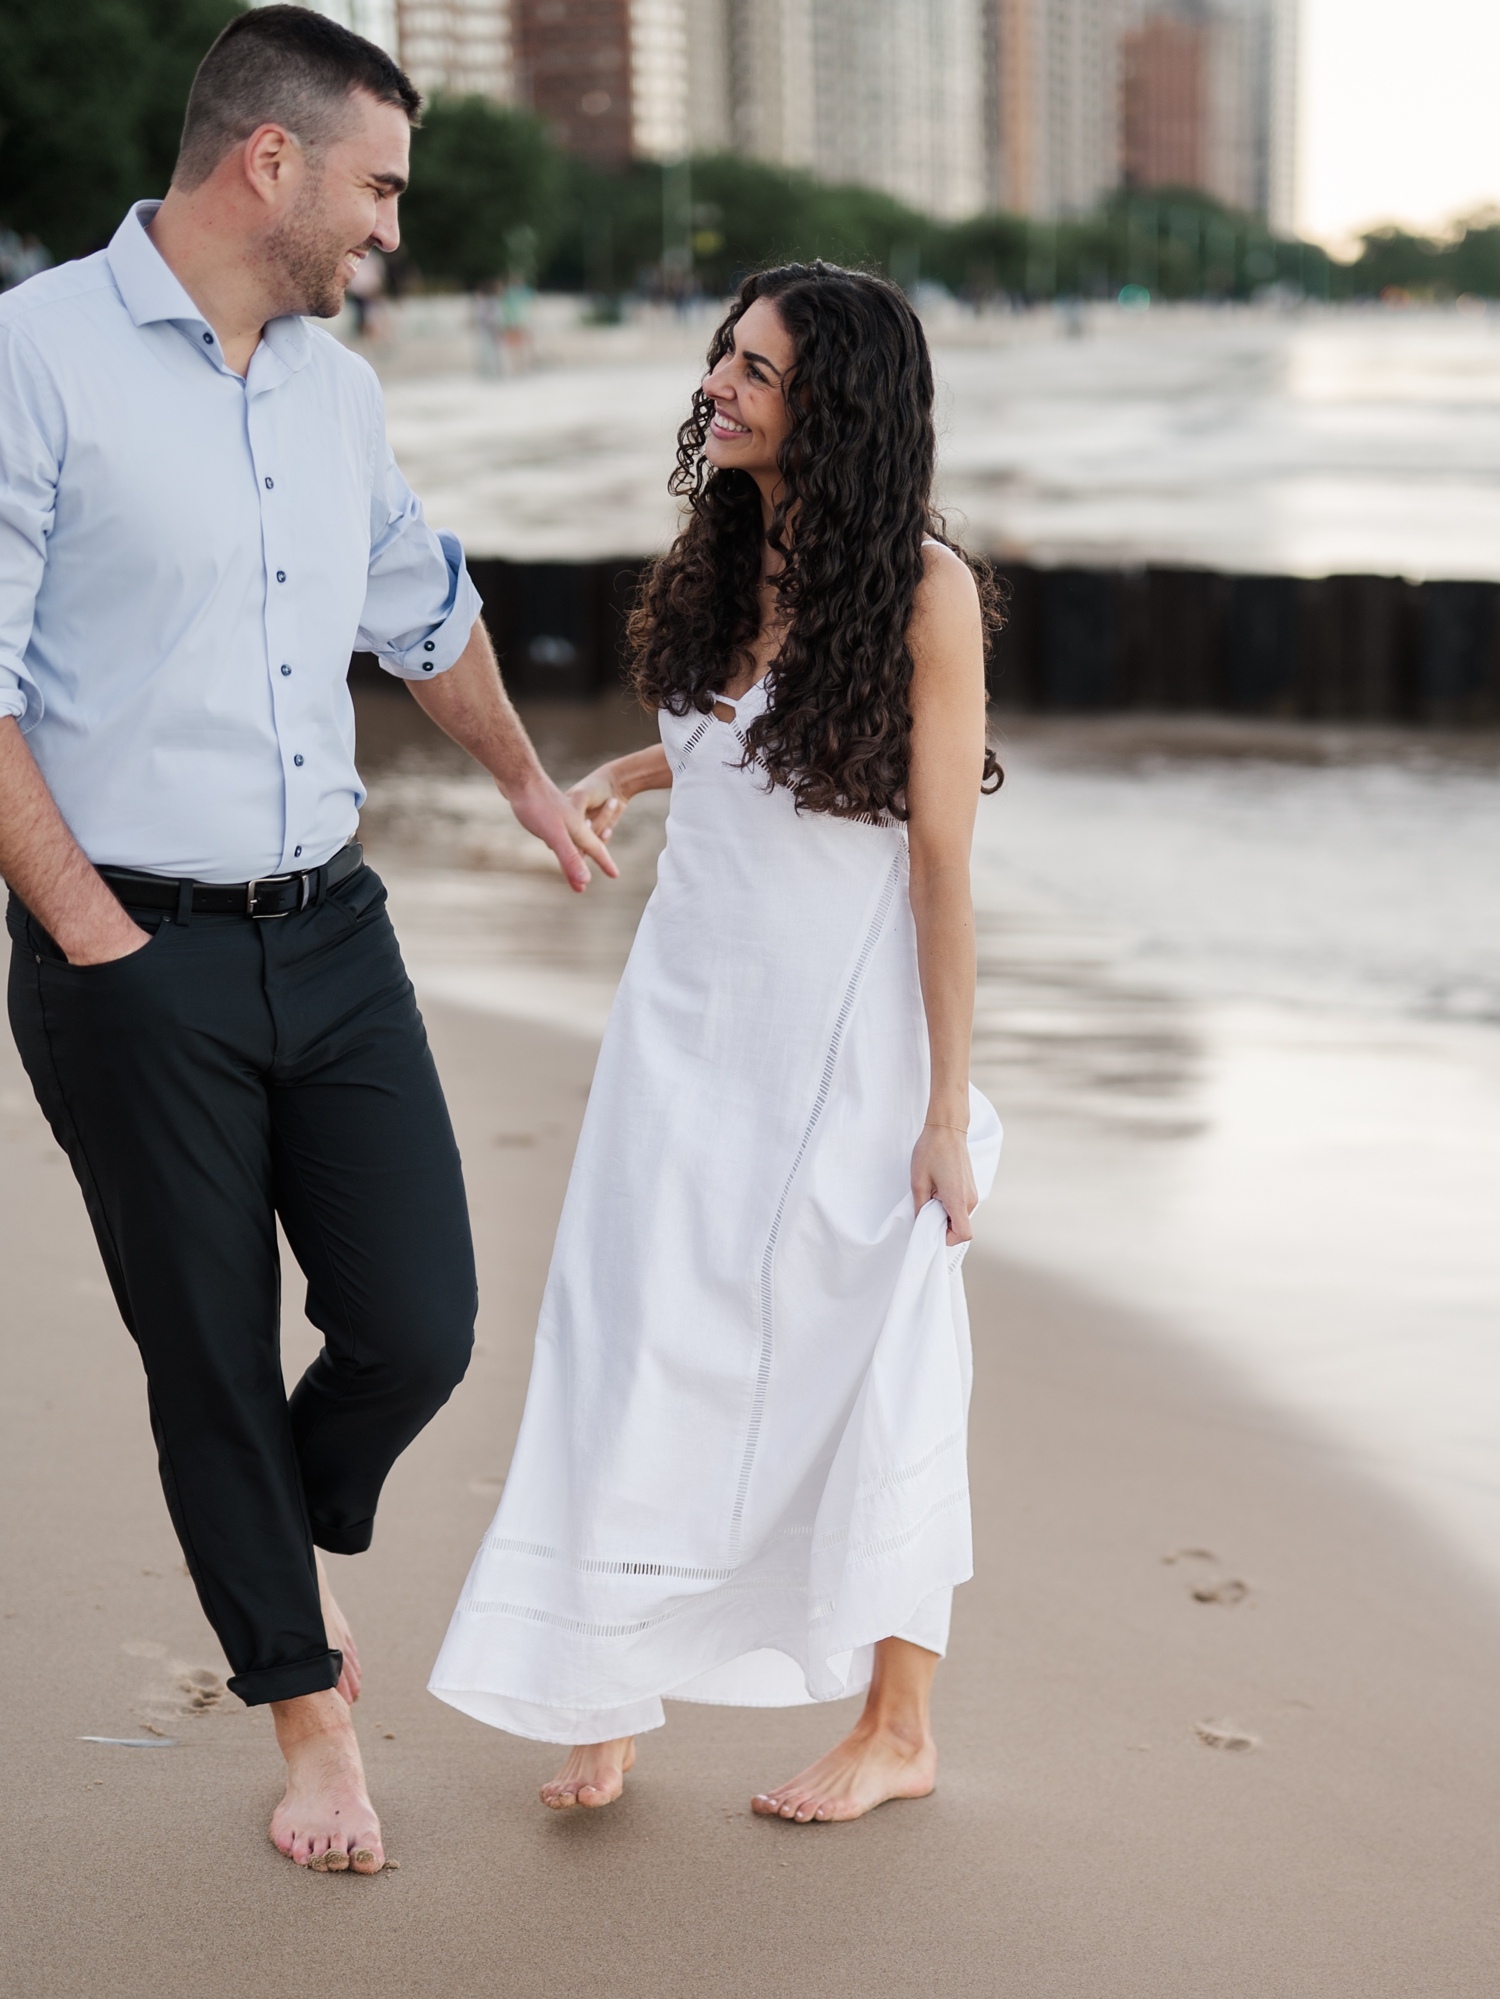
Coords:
740,1475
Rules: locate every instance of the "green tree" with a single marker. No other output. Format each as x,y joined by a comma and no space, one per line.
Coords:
92,94
480,175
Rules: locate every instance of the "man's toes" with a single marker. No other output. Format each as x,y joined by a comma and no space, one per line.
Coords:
336,1860
366,1860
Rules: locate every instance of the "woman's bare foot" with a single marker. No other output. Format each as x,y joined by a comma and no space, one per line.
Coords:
340,1637
889,1753
869,1766
594,1774
326,1820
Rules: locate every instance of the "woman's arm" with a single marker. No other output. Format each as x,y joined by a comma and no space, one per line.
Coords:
603,795
942,795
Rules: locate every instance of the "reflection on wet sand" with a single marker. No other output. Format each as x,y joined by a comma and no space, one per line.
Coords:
1238,999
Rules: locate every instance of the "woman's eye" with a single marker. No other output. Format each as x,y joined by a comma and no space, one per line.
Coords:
755,374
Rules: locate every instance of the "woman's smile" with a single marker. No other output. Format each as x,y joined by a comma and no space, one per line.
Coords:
727,426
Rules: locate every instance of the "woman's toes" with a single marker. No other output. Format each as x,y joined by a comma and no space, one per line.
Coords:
336,1860
364,1861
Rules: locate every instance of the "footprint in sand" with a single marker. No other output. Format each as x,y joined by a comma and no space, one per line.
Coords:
1225,1735
1228,1590
203,1687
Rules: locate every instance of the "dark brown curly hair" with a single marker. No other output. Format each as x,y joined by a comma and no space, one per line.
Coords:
857,470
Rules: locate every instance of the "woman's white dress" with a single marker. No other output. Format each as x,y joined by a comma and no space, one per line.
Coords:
742,1460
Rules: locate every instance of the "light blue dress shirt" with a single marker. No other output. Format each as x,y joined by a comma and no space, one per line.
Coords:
187,560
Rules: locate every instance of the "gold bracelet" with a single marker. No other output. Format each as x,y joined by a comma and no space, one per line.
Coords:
933,1124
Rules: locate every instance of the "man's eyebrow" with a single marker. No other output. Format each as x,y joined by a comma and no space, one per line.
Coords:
392,183
777,372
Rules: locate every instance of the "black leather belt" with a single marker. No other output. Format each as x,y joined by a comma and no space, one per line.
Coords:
271,896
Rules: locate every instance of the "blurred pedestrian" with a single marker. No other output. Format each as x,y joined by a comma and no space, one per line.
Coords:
489,323
21,257
366,295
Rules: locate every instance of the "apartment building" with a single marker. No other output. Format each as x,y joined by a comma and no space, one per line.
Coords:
1208,101
1038,107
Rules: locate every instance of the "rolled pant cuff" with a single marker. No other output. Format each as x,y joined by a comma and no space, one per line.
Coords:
285,1683
353,1538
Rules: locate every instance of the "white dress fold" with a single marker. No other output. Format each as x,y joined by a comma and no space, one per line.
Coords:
742,1459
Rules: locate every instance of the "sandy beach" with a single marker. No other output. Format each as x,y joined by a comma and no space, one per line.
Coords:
1086,1840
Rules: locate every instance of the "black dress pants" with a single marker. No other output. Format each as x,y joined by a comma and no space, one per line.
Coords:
231,1071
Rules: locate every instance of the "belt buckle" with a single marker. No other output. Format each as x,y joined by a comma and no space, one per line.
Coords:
269,881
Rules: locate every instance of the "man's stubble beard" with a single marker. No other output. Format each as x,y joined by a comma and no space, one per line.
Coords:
307,254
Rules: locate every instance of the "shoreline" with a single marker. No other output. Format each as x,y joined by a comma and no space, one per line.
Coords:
1352,1851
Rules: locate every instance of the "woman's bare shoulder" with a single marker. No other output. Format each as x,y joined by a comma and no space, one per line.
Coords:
946,609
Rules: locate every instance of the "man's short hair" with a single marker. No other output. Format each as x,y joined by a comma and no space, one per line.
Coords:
281,66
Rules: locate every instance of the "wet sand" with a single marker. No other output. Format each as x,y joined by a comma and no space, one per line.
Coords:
1085,1842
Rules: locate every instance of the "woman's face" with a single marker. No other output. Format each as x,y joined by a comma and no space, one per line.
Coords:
750,414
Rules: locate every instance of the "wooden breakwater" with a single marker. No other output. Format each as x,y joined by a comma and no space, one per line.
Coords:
1334,648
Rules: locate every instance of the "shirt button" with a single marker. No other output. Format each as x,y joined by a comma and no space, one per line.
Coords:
281,576
296,853
208,340
297,760
269,484
429,645
427,666
286,669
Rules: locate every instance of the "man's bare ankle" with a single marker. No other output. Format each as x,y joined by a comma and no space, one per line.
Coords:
308,1715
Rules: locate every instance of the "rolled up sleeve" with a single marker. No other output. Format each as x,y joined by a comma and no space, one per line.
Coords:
30,454
420,604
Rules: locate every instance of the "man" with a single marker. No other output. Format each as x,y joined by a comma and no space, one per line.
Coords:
199,519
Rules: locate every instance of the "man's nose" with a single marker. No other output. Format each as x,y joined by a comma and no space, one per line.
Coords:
386,235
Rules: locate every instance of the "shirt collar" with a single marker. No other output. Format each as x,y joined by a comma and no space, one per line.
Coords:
152,291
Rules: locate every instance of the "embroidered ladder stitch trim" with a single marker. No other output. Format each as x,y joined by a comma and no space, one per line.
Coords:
763,1376
692,743
533,1614
598,1567
904,1473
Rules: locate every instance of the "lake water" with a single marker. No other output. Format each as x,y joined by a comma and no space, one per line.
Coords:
1305,442
1239,1007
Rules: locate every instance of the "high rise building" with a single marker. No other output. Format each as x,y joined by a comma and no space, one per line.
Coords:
769,45
888,93
1208,100
899,99
572,65
1053,126
1040,107
460,47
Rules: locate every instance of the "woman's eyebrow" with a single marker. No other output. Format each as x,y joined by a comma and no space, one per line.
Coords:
747,356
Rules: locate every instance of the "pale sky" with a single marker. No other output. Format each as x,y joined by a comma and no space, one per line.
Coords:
1400,112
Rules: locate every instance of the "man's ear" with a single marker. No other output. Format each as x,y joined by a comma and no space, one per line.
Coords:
272,162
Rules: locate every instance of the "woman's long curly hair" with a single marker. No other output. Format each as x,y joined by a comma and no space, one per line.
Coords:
854,508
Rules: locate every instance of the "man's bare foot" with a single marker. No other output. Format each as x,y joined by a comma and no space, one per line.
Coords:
594,1774
869,1766
340,1637
326,1820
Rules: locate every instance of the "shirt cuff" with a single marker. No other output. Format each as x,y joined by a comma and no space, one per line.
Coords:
20,699
439,646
